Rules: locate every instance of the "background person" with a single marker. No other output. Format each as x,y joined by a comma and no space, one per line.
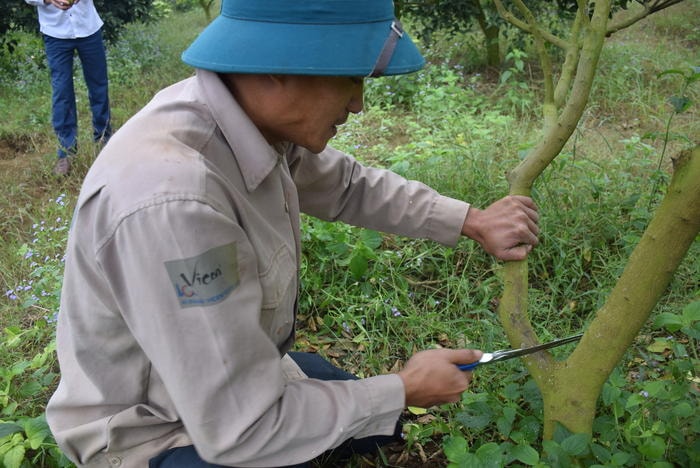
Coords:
180,289
68,27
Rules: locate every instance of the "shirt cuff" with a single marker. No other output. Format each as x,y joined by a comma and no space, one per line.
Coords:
446,220
387,398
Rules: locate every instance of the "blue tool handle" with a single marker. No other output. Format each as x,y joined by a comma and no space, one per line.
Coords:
467,367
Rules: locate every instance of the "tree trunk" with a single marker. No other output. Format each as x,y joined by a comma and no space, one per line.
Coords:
571,388
491,31
578,381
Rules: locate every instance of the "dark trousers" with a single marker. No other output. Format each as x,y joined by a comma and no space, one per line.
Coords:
64,117
315,367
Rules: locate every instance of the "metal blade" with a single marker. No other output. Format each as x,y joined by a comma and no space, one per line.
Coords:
513,353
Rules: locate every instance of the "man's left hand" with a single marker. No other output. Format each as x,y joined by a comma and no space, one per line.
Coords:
507,229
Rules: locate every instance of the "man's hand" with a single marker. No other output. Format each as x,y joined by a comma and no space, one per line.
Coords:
507,229
432,377
61,4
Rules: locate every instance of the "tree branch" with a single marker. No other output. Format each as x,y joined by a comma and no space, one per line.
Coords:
648,8
549,107
523,25
573,52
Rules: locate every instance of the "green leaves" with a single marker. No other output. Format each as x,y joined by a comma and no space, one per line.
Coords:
687,322
19,437
7,429
525,454
682,102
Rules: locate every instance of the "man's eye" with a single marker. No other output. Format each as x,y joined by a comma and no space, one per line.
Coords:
357,80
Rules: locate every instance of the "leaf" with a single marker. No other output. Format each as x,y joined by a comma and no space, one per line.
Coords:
561,433
654,387
671,72
683,410
680,103
490,455
576,444
620,458
371,239
530,427
691,313
653,447
556,456
30,389
669,321
455,448
13,458
659,346
505,422
525,454
358,266
601,453
610,394
416,410
477,416
37,431
7,429
505,75
634,400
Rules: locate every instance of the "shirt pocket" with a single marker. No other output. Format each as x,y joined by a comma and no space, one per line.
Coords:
277,280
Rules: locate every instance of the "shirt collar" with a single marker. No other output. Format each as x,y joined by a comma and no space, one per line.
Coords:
255,156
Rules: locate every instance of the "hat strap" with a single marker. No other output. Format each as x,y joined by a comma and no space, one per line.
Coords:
395,33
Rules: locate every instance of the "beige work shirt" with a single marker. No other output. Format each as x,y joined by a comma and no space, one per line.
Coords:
181,282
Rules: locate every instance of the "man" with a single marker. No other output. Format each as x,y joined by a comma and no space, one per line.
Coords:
70,26
180,286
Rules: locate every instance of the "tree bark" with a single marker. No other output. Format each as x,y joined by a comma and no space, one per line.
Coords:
578,381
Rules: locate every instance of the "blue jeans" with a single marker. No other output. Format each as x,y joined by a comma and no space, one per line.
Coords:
315,367
64,118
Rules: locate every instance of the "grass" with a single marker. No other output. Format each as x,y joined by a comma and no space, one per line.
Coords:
369,301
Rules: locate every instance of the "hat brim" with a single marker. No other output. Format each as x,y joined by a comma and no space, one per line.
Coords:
230,45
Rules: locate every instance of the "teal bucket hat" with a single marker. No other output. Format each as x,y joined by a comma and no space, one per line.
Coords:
305,37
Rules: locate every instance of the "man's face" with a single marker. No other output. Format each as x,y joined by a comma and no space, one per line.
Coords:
313,107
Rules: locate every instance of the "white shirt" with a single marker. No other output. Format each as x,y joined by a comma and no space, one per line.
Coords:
82,20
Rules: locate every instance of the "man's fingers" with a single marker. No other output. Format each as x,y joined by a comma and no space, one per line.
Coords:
527,201
465,356
516,253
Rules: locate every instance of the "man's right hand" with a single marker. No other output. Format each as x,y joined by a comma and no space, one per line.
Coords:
61,4
432,377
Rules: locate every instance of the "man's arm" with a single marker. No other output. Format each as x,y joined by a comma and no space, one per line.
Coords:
334,186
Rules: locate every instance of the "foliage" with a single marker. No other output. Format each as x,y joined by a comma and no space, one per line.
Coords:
457,15
648,412
24,434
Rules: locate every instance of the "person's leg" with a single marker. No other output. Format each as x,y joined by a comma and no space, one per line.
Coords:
187,457
59,54
315,367
93,59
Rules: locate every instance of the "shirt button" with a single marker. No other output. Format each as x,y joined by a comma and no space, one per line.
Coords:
115,461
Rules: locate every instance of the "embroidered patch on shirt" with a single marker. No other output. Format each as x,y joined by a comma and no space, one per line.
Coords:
206,279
